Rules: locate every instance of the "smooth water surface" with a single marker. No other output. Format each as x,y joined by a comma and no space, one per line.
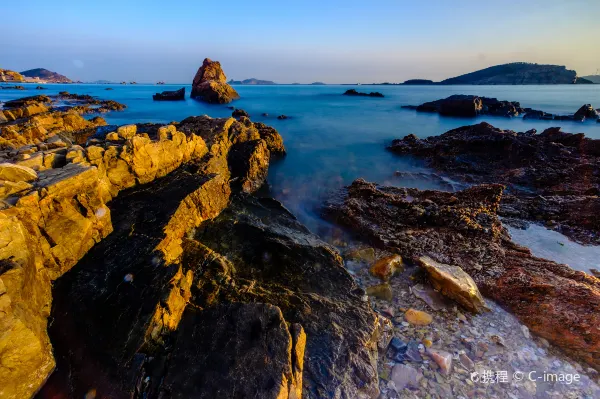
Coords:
333,139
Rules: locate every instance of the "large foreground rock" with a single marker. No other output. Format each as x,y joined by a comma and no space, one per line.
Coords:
552,176
50,222
210,84
463,229
272,310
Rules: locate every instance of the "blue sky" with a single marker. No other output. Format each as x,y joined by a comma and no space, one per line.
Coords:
297,41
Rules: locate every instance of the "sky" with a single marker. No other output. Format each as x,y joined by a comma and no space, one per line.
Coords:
296,41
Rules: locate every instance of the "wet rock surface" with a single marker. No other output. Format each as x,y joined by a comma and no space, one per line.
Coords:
463,105
210,84
174,95
463,229
552,177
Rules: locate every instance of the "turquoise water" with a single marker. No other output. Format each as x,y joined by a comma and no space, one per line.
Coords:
333,139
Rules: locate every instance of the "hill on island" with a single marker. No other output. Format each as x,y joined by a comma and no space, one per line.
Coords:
251,81
592,78
48,76
6,75
518,73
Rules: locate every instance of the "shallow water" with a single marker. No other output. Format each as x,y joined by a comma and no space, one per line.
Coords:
333,139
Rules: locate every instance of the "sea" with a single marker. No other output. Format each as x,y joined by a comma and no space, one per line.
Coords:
333,139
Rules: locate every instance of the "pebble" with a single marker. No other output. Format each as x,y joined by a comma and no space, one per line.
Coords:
418,317
405,376
443,359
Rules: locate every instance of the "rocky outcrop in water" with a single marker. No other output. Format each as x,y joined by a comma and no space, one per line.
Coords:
552,177
7,75
210,84
174,95
469,106
352,92
462,229
462,105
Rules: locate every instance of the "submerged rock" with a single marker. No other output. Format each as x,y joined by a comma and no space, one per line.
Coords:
418,317
210,84
386,267
553,300
405,376
175,95
453,282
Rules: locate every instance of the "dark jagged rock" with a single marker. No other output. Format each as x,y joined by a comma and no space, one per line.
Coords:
210,84
236,350
469,106
552,176
40,88
237,113
285,265
463,229
282,117
352,92
174,95
586,112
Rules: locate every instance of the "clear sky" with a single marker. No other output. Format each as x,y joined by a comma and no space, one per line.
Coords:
296,41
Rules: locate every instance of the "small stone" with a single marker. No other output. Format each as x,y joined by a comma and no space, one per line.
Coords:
412,352
127,131
386,267
427,342
360,254
405,376
396,349
442,359
431,297
418,317
526,332
16,173
453,282
381,291
498,340
466,362
112,136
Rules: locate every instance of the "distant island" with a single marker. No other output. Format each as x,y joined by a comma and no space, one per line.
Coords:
318,83
251,81
419,82
592,78
515,73
46,76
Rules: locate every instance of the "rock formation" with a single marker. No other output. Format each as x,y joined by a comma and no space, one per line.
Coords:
210,84
551,177
7,75
149,255
469,106
175,95
352,92
463,229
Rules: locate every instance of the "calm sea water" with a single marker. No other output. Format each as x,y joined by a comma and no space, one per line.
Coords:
333,139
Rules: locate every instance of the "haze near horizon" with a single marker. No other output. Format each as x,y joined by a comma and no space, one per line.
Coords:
333,42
